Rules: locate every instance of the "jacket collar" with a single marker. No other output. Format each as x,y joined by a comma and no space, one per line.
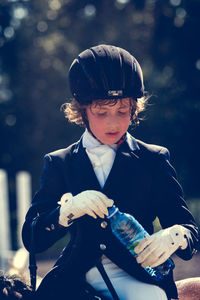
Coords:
132,143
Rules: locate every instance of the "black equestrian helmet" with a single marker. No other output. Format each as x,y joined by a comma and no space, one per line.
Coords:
105,72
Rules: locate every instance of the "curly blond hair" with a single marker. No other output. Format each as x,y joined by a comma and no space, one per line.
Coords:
76,112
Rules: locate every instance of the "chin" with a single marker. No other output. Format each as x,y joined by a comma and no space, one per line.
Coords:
110,141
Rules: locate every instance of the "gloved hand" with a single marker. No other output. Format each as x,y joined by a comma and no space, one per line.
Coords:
89,202
156,249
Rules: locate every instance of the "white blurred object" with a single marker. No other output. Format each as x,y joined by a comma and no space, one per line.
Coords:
19,265
24,194
5,244
19,262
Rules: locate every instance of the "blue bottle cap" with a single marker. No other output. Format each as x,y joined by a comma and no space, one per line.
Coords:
112,210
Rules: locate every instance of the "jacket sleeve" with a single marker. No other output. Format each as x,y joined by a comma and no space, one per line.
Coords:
170,205
44,211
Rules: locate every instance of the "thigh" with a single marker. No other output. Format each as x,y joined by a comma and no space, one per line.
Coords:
127,287
132,289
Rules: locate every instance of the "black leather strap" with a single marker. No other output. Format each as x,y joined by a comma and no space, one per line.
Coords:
105,277
32,258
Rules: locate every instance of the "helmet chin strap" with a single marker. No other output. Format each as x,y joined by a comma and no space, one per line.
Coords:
121,140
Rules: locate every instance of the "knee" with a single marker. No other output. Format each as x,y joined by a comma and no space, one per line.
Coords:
189,289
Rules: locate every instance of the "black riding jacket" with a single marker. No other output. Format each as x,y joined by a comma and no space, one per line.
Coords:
142,182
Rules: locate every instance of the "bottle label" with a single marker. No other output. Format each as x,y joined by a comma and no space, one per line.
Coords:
132,247
137,239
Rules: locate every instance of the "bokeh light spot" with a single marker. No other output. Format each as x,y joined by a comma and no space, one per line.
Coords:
175,2
181,12
20,12
42,26
10,120
52,14
178,22
5,95
89,11
198,64
9,32
55,4
123,1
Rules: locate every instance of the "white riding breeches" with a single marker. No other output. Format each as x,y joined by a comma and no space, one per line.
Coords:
126,286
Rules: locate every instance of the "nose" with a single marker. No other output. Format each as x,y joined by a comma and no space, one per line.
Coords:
113,122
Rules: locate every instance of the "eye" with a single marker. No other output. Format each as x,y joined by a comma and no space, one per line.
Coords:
123,113
101,114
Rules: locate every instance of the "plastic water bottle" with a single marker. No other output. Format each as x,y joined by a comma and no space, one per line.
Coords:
130,232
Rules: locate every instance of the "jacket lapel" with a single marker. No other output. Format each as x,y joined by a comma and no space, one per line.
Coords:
128,183
126,164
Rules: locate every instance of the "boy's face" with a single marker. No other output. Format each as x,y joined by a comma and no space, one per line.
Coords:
108,122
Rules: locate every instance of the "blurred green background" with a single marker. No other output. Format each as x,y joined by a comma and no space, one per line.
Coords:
39,40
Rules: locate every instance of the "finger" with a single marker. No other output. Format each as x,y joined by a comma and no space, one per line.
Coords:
99,213
153,256
101,201
150,260
101,205
105,203
142,245
151,252
91,213
97,194
152,249
144,255
108,202
92,205
160,260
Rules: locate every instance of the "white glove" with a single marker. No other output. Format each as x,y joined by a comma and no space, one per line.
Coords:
92,203
156,249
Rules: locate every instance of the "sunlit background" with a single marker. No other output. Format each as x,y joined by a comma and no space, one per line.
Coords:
39,40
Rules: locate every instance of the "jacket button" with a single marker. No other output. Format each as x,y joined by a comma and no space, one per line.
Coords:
47,228
104,224
102,247
52,226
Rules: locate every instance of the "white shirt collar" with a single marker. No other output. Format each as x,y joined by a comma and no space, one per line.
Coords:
90,142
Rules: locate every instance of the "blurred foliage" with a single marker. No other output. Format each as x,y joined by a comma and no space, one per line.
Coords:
39,40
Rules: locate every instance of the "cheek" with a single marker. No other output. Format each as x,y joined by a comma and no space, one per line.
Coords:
94,124
125,123
97,126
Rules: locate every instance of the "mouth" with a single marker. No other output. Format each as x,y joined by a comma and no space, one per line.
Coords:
112,134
